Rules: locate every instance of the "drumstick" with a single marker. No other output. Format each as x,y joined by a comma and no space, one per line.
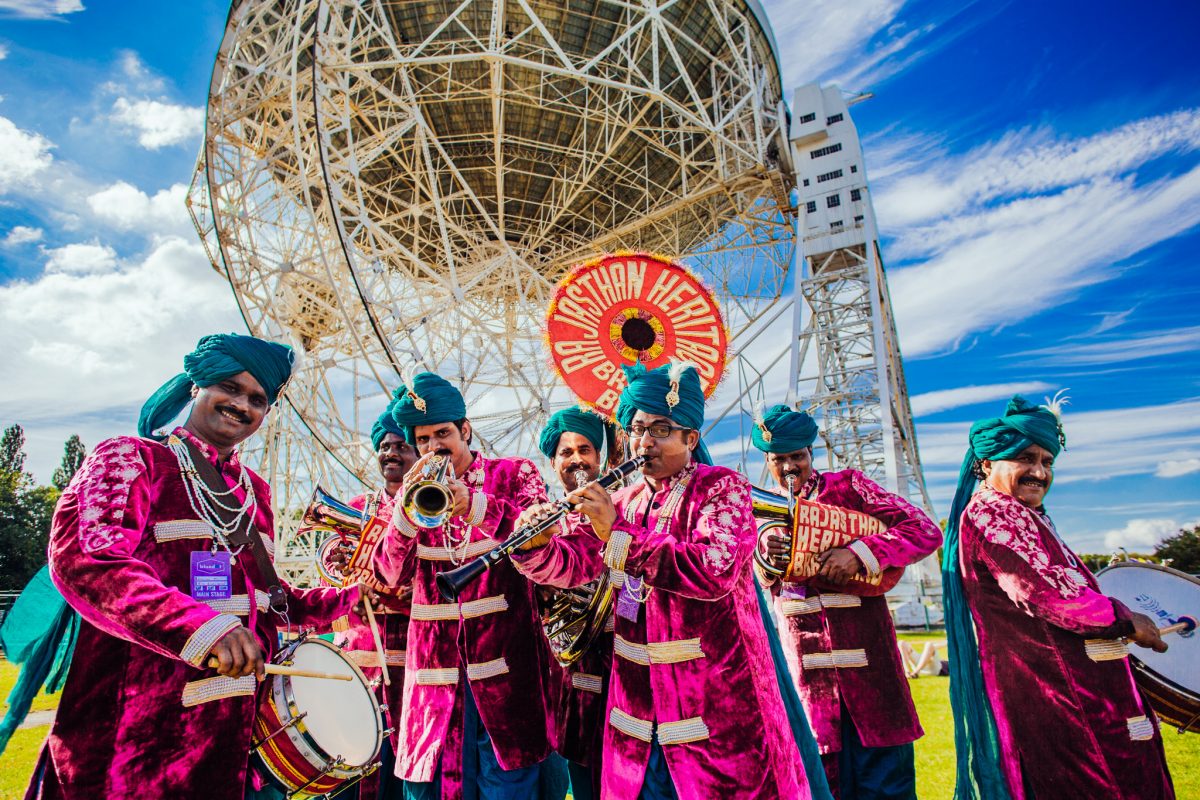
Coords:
279,669
1185,624
387,679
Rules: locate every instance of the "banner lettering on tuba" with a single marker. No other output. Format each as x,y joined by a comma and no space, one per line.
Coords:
631,307
817,527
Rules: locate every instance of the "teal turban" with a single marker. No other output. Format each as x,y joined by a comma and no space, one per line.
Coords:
383,426
427,399
574,420
786,430
672,390
217,357
976,741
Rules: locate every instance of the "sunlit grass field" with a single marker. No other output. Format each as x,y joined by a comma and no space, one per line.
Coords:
935,752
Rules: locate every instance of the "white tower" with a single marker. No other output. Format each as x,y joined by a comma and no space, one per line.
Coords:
844,316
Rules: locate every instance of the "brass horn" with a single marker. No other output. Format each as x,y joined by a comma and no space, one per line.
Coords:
427,501
772,511
343,523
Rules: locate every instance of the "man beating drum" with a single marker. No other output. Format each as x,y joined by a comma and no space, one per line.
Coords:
1045,704
162,544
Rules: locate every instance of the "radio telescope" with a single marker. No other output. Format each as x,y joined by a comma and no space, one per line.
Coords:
399,185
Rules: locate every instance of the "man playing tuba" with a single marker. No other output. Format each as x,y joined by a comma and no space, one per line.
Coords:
836,628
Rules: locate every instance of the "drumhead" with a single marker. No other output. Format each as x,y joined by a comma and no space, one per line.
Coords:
343,716
1165,595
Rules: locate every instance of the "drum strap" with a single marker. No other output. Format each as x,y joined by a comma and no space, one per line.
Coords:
246,534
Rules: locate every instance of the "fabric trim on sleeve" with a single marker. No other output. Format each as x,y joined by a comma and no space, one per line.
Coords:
868,559
202,640
478,510
402,523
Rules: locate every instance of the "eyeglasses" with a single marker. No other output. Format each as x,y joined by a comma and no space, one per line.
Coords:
658,430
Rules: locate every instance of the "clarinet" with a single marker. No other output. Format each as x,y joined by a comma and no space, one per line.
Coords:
451,582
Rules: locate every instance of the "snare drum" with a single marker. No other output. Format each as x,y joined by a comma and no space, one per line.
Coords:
313,735
1170,680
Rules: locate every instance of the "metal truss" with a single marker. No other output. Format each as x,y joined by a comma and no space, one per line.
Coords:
399,185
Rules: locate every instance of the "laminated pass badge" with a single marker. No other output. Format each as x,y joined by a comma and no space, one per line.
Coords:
212,575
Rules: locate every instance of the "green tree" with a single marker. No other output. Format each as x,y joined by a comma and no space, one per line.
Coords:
73,453
25,514
1183,550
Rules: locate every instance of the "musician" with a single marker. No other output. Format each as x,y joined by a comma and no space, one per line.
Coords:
836,628
142,715
694,709
474,717
1045,704
395,456
573,440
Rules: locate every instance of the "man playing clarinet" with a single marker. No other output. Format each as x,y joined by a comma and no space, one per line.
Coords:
694,710
474,721
161,690
836,628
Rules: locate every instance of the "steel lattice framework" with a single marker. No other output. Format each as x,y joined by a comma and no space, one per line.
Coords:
399,185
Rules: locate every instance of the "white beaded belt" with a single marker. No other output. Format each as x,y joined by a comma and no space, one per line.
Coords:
240,603
587,683
176,529
451,611
449,675
1141,729
370,658
1105,649
658,652
834,659
218,688
474,550
692,729
810,605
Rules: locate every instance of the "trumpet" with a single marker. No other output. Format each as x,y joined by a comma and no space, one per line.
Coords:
773,512
451,582
427,501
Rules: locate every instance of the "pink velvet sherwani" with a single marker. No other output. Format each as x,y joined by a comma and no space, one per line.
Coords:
492,634
839,640
1071,721
139,715
694,671
392,619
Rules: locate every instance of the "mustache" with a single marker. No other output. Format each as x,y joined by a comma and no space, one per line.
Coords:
392,460
233,412
1032,482
443,451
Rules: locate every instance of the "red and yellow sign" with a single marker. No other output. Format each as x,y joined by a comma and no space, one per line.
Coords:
625,308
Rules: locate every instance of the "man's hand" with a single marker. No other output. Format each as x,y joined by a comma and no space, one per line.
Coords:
594,502
1145,633
838,565
339,557
462,498
778,547
532,516
237,653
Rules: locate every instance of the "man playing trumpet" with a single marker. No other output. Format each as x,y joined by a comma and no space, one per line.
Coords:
835,626
477,671
694,709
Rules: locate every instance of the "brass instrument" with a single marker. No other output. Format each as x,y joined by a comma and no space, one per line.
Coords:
773,512
342,524
428,501
451,582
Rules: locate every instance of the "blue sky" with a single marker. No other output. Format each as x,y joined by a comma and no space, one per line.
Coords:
1036,175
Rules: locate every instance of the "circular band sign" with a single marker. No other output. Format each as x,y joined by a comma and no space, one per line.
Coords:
624,308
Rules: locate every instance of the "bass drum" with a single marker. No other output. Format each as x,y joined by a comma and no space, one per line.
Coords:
1171,679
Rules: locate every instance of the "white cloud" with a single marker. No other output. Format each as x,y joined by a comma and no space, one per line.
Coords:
159,124
128,208
81,258
946,399
82,342
39,9
1174,469
1121,349
817,43
3,51
1141,535
23,155
22,234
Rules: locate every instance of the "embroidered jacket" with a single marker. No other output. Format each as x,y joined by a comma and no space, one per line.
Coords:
146,717
694,669
1046,632
491,635
839,640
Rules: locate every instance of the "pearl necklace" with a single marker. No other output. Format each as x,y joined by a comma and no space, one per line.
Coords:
204,500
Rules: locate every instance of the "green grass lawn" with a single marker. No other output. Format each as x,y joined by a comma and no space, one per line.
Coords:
935,751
